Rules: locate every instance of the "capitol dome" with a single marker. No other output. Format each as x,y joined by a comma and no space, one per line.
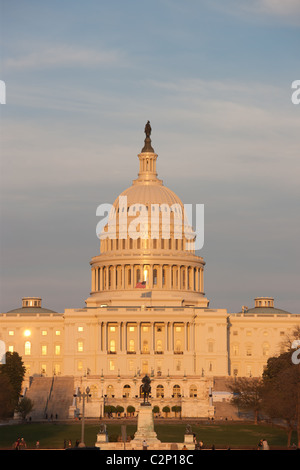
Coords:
147,243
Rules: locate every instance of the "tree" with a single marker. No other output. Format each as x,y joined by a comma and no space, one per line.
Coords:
281,392
119,409
24,407
130,409
15,370
176,409
247,394
166,409
7,404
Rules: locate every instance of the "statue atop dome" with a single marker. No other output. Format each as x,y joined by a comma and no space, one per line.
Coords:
148,147
148,129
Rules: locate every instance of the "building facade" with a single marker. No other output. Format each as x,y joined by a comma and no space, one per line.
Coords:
147,313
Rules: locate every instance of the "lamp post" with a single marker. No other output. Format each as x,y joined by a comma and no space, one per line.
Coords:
84,396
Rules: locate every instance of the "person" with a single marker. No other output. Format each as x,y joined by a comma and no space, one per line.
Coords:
265,445
260,445
184,447
200,445
23,443
145,445
37,445
17,444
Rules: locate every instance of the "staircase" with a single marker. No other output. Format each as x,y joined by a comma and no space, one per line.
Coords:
38,393
51,397
61,398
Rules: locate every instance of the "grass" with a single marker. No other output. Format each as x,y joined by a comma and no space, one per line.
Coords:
52,435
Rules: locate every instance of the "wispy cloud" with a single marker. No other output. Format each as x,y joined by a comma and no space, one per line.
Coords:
284,11
64,56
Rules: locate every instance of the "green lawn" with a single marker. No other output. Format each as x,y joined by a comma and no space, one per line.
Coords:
53,435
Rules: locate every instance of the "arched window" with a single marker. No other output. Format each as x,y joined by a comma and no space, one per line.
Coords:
193,391
145,346
159,347
110,391
27,348
160,393
176,391
126,391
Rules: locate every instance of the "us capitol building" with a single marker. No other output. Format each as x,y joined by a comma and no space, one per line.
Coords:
147,313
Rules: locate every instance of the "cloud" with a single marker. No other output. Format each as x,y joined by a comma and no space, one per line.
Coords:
284,11
64,56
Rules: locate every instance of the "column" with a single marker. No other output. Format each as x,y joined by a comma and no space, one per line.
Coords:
185,337
93,280
97,279
166,336
123,276
104,326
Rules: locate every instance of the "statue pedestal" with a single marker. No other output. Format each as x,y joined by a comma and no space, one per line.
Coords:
145,426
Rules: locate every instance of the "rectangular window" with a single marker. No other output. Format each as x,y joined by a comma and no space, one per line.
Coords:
44,333
80,328
44,350
10,349
57,349
111,365
57,332
11,333
80,346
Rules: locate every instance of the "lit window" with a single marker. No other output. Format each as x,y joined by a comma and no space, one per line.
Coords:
11,333
178,328
111,365
27,348
44,333
44,368
44,350
112,346
80,346
112,328
145,328
27,333
57,332
249,333
131,328
131,345
80,328
57,349
10,349
79,366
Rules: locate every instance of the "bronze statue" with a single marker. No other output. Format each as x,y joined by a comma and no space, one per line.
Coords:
148,129
146,388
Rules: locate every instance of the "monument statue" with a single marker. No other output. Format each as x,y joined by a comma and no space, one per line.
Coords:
146,388
148,129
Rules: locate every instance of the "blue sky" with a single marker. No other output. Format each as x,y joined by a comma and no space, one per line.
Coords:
213,77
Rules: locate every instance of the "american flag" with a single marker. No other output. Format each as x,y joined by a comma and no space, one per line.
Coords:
141,285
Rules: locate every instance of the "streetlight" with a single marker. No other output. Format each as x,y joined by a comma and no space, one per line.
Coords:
83,395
